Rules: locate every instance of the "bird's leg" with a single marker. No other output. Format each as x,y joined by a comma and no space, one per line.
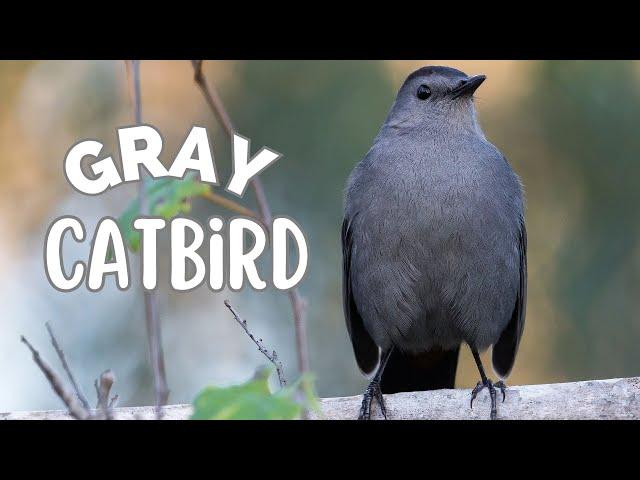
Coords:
486,383
373,390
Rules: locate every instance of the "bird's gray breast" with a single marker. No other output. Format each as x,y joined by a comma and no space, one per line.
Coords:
434,260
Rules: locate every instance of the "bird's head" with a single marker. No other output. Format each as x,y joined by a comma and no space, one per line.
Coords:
436,95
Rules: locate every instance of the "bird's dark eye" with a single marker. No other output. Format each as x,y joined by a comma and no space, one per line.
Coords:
424,92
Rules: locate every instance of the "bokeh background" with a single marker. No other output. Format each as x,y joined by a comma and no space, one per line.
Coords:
568,128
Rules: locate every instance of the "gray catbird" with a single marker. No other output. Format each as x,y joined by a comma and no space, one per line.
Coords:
434,244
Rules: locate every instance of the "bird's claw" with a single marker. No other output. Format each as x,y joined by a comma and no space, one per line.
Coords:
503,388
474,393
492,393
373,391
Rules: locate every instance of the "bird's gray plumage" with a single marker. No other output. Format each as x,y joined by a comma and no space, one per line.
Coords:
434,240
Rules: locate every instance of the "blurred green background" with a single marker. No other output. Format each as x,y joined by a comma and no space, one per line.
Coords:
568,128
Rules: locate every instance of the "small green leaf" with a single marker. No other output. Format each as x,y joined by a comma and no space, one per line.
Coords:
253,400
167,197
303,390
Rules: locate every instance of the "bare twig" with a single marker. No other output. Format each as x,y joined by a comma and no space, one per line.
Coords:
272,357
67,369
230,205
212,98
77,404
76,410
127,65
103,388
298,304
100,400
154,333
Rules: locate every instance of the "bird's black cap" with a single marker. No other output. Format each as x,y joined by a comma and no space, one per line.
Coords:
447,72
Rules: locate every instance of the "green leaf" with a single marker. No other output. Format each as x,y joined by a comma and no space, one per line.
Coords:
302,391
167,197
253,400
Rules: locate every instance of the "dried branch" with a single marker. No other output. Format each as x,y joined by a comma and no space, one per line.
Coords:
230,205
114,401
152,320
77,404
212,98
67,369
76,410
272,357
103,388
298,304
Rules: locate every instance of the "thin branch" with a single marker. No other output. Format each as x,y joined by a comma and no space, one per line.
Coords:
298,304
152,320
230,205
216,105
76,410
103,388
67,369
272,357
212,98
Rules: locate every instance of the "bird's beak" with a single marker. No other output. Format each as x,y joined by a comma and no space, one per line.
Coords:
468,86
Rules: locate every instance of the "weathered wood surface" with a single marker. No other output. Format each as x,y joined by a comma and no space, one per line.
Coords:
595,399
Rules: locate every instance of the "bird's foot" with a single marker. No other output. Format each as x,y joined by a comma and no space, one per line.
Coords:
502,387
372,392
492,393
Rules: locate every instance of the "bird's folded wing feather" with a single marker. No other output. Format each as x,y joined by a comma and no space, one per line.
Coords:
366,351
505,350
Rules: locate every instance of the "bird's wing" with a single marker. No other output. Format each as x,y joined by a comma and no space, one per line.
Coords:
504,351
366,351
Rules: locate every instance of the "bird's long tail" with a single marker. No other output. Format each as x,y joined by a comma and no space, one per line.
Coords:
427,371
